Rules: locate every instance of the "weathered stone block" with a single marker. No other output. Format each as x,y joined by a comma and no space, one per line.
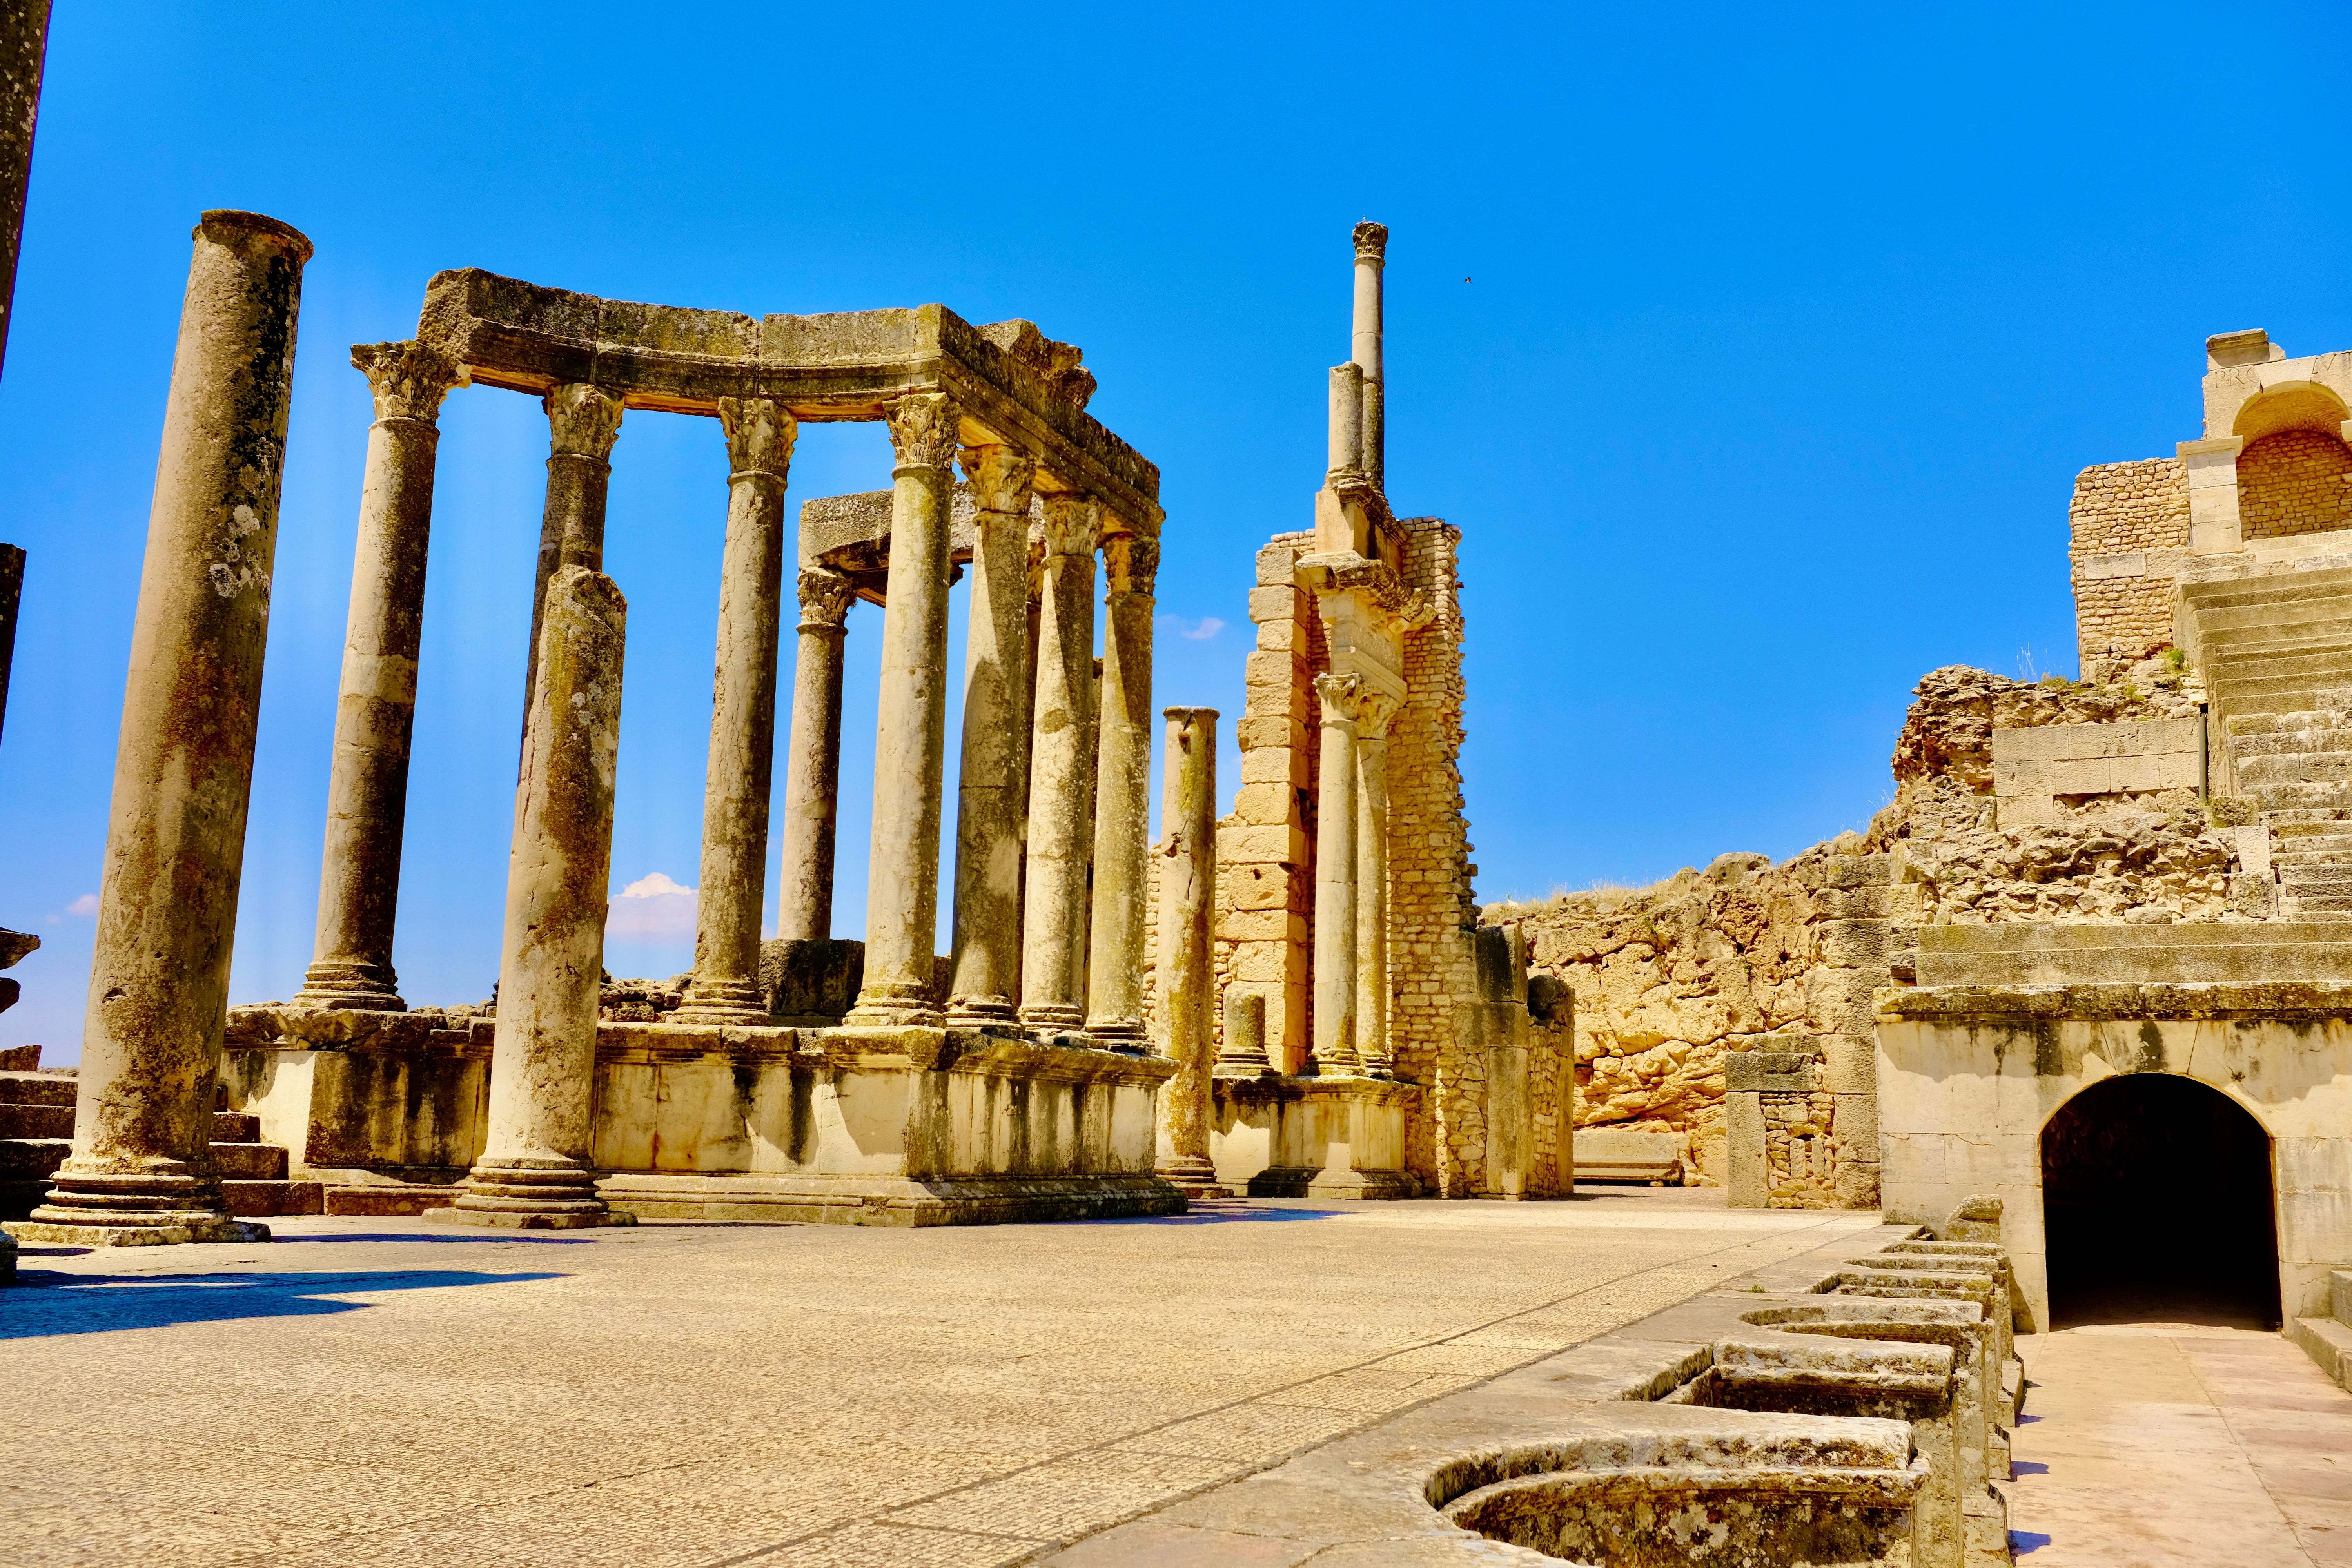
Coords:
1260,731
1280,603
1266,805
1856,871
1849,1064
1852,942
1275,564
1769,1072
1286,846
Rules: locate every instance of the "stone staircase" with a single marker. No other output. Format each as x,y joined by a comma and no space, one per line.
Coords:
2274,649
36,1121
2328,1339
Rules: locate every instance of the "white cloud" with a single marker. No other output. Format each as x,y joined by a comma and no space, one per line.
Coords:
653,907
87,905
1200,630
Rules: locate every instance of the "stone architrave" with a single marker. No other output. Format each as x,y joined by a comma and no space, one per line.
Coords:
995,763
1372,883
582,423
1335,878
1364,344
1188,880
141,1168
1054,919
367,791
726,985
902,888
534,1171
812,762
1123,797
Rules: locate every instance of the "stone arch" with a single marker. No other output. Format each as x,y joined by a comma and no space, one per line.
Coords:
2158,1201
2294,472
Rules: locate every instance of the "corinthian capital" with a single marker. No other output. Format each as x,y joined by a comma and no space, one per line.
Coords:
409,380
1071,526
1375,709
923,429
825,596
1130,563
1001,478
759,435
584,420
1342,697
1371,242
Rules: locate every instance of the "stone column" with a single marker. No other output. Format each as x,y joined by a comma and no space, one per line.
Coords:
995,764
1345,453
1054,916
1335,878
23,46
902,885
1371,253
1244,1047
582,422
1122,798
1188,880
367,792
535,1169
1372,883
812,760
141,1169
726,984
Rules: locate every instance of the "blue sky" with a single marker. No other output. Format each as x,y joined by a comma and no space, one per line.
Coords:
1754,351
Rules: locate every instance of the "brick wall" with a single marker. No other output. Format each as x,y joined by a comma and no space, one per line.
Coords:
2122,509
2297,481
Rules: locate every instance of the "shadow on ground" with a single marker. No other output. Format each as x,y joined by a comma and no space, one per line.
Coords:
1227,1212
46,1303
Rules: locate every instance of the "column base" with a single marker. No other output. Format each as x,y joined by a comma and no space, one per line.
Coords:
528,1194
1049,1020
352,984
894,1004
1118,1035
1258,1066
1194,1176
137,1208
715,1004
1334,1065
983,1010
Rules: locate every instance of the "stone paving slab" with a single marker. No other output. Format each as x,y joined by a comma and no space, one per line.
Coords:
371,1391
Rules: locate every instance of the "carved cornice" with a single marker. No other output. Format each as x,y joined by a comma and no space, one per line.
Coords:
1342,697
825,596
1071,526
409,379
1001,478
583,420
1371,242
1345,571
761,435
923,429
1130,563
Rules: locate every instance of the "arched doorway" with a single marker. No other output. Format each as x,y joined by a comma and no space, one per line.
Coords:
2156,1207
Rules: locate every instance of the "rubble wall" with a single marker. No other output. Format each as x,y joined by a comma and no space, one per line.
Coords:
2119,510
2296,481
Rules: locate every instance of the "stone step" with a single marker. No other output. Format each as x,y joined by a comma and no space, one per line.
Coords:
2313,741
261,1198
388,1198
25,1159
236,1127
2239,652
37,1088
2307,824
2304,617
35,1120
2294,767
2293,797
2323,717
2022,952
2269,588
2317,876
250,1162
2299,698
2310,849
2327,1341
2226,686
2314,906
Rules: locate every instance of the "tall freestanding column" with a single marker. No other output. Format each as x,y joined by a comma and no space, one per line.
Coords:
582,423
534,1169
1372,883
1054,916
995,764
813,761
1335,877
726,984
1371,253
902,886
1122,798
367,791
141,1169
24,46
1188,880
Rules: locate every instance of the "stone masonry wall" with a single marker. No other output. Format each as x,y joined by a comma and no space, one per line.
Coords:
2122,509
2297,481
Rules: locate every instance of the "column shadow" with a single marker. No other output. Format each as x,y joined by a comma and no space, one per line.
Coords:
46,1303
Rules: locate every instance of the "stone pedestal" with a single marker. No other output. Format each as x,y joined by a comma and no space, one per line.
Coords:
726,984
367,792
992,780
1188,880
534,1172
902,885
813,766
141,1169
1122,798
1053,921
1329,1137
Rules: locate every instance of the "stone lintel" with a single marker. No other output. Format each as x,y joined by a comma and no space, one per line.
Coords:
1767,1072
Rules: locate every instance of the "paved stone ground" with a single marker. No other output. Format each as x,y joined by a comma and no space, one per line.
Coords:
372,1392
2149,1445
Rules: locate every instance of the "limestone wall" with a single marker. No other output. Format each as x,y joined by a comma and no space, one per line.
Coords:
2296,481
2130,529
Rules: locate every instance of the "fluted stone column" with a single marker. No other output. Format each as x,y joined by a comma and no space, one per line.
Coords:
812,760
1335,878
141,1169
1371,253
726,984
1188,880
1054,916
582,423
24,46
995,763
1243,1053
1123,797
1372,883
367,791
534,1172
902,887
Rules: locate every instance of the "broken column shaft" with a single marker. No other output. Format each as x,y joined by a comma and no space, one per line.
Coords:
582,423
1364,347
367,791
141,1168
